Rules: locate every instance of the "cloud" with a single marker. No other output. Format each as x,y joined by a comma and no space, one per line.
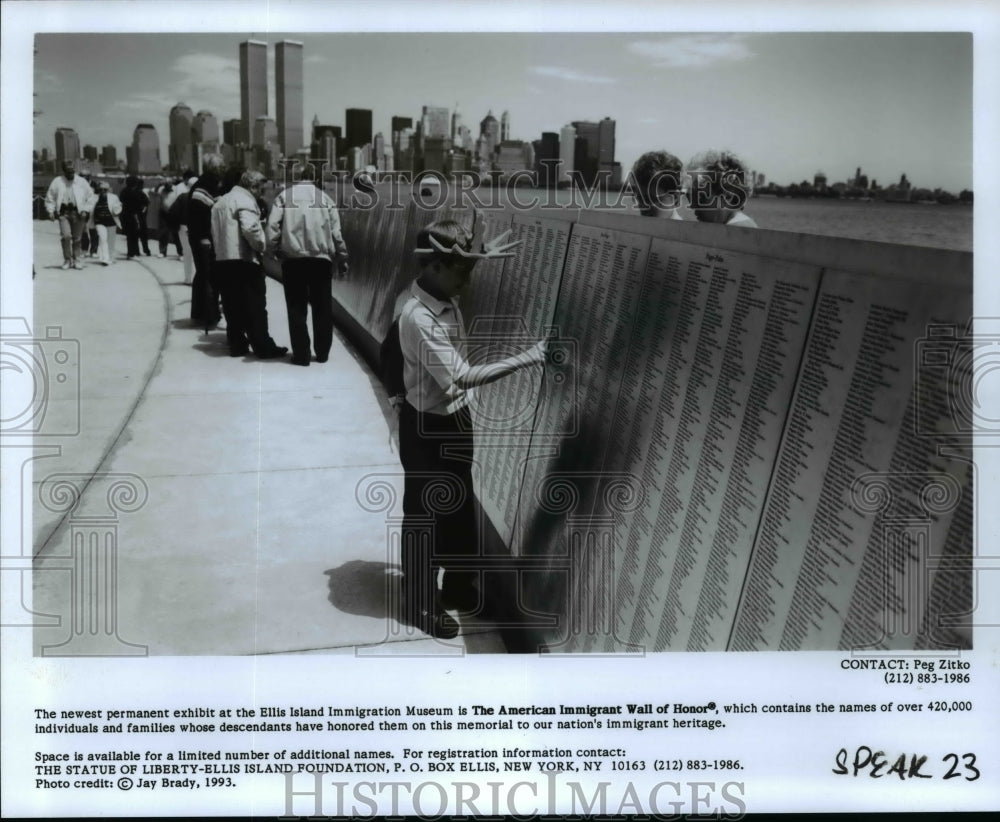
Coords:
144,103
573,76
693,51
206,80
202,81
47,83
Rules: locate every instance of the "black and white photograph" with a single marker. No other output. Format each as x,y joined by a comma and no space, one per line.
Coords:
442,401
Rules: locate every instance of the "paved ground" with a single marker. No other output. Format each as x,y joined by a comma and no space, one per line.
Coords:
252,501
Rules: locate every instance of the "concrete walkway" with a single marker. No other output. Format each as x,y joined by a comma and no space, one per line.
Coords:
253,501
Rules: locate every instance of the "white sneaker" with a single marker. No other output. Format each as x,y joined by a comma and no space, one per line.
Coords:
66,265
161,256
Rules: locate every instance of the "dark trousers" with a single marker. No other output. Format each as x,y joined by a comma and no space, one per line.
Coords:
130,228
89,240
439,514
143,235
204,291
169,235
244,299
307,283
134,228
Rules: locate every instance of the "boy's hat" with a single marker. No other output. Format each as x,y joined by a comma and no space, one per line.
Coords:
479,249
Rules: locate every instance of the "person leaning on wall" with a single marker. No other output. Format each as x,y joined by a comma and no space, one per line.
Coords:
719,186
657,182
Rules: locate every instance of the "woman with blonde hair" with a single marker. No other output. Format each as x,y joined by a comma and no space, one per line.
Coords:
719,187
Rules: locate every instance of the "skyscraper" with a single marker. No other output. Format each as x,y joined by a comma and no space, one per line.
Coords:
288,82
567,147
109,157
179,152
253,84
359,127
205,128
435,121
320,130
505,126
585,151
436,154
232,132
265,133
144,153
403,149
605,144
489,138
546,157
456,125
326,139
399,123
595,150
378,151
90,152
67,145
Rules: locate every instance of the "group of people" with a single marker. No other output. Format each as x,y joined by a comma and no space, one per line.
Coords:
222,229
230,233
715,185
89,214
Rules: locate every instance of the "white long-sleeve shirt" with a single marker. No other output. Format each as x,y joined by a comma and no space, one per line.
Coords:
76,192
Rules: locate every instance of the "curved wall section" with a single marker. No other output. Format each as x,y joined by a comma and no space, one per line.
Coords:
743,440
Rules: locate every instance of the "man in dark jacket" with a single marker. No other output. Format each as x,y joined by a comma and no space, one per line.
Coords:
135,203
204,290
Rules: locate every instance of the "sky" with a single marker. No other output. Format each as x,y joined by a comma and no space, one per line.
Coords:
791,104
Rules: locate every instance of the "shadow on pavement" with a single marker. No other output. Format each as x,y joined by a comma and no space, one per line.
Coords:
361,587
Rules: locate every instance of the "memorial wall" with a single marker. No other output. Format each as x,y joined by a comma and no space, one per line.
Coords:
742,440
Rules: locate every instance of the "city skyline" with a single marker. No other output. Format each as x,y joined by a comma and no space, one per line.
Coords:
913,115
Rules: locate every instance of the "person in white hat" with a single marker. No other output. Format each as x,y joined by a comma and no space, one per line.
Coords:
105,209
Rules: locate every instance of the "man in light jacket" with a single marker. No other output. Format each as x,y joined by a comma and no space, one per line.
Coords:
238,238
66,201
303,231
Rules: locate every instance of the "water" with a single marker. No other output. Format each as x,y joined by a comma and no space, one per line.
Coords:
941,226
938,226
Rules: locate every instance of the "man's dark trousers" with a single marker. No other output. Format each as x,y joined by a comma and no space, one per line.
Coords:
438,504
204,293
244,299
308,282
